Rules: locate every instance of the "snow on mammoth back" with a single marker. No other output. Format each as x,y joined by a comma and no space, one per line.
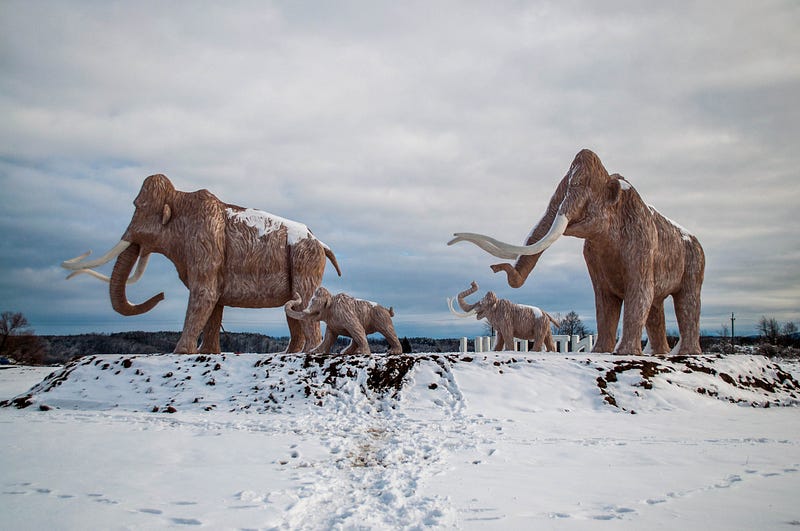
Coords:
265,223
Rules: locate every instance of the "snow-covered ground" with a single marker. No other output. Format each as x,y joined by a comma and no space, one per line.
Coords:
535,441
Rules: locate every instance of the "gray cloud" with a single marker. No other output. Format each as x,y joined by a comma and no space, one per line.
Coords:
386,128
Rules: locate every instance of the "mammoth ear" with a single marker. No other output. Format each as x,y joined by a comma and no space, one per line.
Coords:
166,215
615,187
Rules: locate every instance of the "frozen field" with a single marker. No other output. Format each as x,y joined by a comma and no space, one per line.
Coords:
544,441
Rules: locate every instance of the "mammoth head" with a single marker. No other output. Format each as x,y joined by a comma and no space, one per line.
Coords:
317,307
487,305
480,309
154,206
581,206
153,212
320,301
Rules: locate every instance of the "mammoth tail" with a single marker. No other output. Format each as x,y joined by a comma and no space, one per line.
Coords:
553,320
332,258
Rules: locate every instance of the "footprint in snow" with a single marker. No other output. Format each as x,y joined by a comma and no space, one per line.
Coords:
186,521
99,498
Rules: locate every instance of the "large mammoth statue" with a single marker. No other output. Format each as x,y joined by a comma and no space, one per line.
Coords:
346,316
509,319
633,253
225,254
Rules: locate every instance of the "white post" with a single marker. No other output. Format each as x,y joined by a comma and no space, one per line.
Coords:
520,345
585,344
561,343
463,348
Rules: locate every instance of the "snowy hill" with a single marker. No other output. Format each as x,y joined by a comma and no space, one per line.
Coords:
468,441
273,382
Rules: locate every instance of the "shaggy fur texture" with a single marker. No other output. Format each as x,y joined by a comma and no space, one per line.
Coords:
633,253
221,259
346,316
511,320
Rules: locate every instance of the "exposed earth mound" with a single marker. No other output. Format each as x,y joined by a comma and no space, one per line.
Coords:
273,382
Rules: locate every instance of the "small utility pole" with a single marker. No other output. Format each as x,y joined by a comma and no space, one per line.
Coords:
732,333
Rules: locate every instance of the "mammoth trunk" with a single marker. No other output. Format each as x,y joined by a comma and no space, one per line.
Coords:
467,307
290,310
119,277
544,234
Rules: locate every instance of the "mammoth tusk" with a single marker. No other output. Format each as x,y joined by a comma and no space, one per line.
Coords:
79,263
556,230
140,268
459,314
509,251
487,243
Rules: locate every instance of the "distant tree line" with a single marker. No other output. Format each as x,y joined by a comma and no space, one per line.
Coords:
18,341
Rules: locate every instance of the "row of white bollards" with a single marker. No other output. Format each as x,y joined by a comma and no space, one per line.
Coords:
563,344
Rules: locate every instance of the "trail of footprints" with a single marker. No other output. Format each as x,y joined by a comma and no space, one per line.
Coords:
30,489
615,512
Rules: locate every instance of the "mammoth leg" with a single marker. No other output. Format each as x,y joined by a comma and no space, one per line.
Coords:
537,344
687,300
502,340
352,348
327,343
202,302
549,342
307,263
297,341
359,336
657,329
386,329
687,311
305,333
210,344
608,308
635,311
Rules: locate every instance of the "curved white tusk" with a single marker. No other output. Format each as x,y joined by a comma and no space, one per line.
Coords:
509,251
487,243
79,263
140,268
459,314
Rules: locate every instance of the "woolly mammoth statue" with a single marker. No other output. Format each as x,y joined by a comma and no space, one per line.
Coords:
346,316
509,319
225,254
633,253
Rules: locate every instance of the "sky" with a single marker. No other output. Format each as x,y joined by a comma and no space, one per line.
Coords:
386,127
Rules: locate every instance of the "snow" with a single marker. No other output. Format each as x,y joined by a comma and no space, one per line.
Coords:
266,223
466,441
624,184
535,309
685,234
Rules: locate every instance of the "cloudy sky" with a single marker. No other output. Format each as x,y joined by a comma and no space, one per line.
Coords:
386,127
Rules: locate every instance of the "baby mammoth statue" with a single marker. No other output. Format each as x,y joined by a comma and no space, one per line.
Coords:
509,319
346,316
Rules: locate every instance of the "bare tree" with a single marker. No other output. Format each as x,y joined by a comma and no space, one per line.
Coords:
17,339
571,325
769,329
